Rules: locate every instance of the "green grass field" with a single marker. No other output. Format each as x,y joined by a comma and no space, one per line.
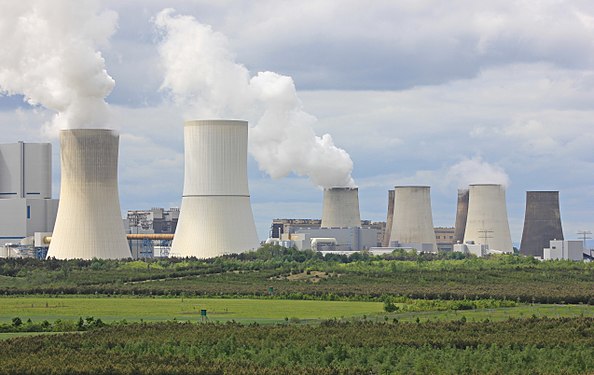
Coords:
161,309
247,310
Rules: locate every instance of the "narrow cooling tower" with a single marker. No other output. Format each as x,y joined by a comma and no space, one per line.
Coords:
461,215
542,222
89,223
413,220
389,219
341,208
215,214
487,217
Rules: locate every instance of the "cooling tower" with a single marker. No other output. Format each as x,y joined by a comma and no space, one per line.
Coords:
413,221
215,214
542,222
389,219
89,223
486,222
341,208
461,215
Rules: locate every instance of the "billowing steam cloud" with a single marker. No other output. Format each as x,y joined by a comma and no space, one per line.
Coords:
49,55
477,171
201,74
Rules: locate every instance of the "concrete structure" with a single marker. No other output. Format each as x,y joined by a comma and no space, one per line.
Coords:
215,215
341,208
542,222
413,220
89,223
487,222
568,250
26,204
479,250
461,215
389,219
444,237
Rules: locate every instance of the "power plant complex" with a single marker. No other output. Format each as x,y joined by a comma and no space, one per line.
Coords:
215,217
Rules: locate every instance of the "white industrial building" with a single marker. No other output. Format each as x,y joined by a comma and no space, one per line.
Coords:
564,249
89,223
215,214
26,204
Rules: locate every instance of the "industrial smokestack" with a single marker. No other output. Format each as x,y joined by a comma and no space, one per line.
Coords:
413,220
341,208
487,222
542,222
89,223
215,215
389,219
461,215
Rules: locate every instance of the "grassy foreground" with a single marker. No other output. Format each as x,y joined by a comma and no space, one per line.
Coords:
525,346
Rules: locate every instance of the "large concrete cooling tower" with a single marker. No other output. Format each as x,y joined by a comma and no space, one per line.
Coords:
389,219
89,223
413,220
461,215
542,222
215,214
341,208
487,217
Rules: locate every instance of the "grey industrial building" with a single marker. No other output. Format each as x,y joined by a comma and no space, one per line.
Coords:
26,204
153,221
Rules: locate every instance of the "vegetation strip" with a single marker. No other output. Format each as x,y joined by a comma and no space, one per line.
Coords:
516,346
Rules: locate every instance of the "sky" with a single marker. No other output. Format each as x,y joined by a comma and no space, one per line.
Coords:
421,92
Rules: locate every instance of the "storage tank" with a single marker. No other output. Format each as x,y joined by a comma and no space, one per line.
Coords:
341,208
487,221
461,215
413,219
542,222
89,223
389,219
215,214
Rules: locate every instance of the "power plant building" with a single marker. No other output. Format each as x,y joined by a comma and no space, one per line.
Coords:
542,222
153,221
413,220
26,204
564,250
215,214
89,223
487,222
341,208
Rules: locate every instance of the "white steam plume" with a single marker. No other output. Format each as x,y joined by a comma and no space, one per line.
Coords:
477,171
201,75
49,55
